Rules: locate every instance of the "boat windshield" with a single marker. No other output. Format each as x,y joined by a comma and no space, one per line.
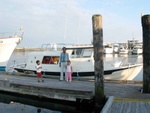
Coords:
81,53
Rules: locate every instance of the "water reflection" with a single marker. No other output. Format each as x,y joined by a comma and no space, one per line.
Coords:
12,104
21,108
29,104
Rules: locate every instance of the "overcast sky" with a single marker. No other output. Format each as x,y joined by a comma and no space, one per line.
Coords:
70,21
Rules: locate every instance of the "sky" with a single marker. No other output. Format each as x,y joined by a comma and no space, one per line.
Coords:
70,21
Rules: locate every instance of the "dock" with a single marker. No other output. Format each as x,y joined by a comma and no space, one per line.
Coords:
124,92
50,88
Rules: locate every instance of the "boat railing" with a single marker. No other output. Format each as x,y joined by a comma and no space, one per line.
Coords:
19,62
54,46
11,34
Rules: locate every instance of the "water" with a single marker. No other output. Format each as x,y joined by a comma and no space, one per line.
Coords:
20,104
15,103
11,103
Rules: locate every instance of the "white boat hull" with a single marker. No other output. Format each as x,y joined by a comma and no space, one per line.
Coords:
132,73
7,46
137,51
108,50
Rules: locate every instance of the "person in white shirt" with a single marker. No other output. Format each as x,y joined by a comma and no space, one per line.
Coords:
38,71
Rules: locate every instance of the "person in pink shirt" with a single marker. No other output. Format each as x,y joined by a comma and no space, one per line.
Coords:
69,72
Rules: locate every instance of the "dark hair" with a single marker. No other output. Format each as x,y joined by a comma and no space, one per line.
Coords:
37,61
63,48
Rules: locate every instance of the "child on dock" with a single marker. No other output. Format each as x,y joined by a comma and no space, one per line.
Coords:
69,71
38,71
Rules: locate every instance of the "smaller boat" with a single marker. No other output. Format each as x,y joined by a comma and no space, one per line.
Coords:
123,50
116,48
137,49
108,49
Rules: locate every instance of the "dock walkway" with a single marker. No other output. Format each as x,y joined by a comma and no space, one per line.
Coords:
50,88
128,105
124,92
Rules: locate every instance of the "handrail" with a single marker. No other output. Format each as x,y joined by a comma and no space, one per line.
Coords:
54,46
10,34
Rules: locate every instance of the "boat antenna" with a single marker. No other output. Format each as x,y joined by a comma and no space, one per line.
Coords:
66,21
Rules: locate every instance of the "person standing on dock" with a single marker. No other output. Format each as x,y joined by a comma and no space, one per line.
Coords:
64,57
38,71
69,72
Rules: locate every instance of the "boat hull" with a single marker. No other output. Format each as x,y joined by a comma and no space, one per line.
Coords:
2,68
7,46
137,51
86,73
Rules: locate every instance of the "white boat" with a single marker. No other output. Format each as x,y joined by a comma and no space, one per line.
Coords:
116,48
81,57
7,46
108,49
123,50
137,49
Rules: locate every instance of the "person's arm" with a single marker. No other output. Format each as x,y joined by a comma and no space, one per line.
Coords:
39,67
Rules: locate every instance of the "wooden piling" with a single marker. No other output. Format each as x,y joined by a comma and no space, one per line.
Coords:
98,57
146,53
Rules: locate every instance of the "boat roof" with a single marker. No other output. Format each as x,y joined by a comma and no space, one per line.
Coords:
80,46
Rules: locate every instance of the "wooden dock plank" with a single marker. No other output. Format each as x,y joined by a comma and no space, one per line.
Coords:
130,106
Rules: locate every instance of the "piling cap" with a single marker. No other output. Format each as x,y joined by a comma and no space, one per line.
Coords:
146,20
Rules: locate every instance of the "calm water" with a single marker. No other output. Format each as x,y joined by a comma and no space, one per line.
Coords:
14,104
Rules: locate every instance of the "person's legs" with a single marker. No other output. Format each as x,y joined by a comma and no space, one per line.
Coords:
61,71
39,76
38,79
69,77
63,66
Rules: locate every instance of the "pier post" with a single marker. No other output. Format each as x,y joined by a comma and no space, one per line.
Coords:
146,53
98,57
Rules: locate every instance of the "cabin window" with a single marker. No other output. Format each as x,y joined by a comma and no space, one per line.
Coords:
50,60
87,53
76,53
